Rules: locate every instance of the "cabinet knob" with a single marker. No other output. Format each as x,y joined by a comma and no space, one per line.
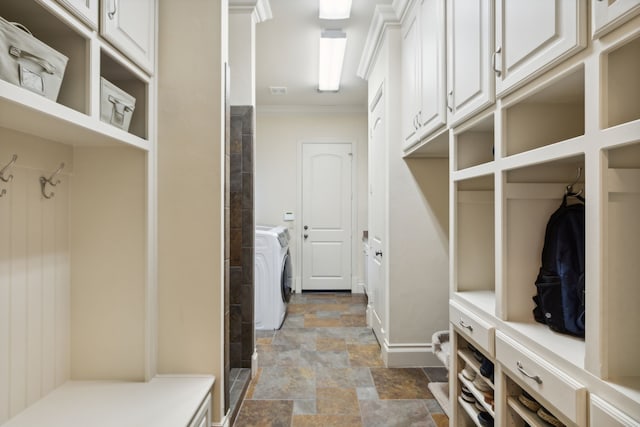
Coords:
305,236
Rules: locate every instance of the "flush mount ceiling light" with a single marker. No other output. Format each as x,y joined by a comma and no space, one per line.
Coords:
332,47
335,9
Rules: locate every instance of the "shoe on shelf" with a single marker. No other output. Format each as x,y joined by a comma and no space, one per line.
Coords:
546,416
481,384
468,373
485,419
528,401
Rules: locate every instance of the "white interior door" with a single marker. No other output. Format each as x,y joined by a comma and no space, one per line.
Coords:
377,213
326,216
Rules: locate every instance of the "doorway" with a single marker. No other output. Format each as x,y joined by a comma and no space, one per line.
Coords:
327,220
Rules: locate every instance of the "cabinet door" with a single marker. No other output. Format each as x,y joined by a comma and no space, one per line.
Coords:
130,26
607,15
602,413
410,79
471,83
432,111
87,10
531,36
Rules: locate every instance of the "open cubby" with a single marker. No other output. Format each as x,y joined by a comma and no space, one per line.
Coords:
475,246
123,78
475,145
553,114
518,415
622,265
622,84
50,30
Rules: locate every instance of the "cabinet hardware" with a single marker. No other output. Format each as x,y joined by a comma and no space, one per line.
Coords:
4,169
449,99
464,325
493,61
378,253
305,236
44,181
114,9
528,375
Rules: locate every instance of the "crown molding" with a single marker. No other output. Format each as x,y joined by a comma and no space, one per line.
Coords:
401,7
384,16
260,9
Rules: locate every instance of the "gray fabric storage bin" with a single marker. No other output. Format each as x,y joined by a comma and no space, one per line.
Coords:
116,106
27,62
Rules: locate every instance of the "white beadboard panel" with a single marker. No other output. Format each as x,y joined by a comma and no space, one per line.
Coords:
34,278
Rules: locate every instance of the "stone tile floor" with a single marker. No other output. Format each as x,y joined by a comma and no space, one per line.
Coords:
323,368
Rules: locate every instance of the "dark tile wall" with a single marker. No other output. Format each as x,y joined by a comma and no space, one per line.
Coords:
227,240
242,229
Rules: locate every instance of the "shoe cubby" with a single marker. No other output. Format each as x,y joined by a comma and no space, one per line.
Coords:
621,267
530,196
69,40
474,389
473,225
548,115
130,82
622,83
474,143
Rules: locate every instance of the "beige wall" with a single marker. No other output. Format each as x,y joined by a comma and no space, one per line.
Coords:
278,136
192,52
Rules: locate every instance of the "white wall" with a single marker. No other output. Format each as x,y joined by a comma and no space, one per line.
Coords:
278,136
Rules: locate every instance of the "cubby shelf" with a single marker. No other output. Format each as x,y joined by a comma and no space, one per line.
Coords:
484,300
471,411
527,415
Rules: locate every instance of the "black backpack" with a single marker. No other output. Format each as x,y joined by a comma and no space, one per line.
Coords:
560,301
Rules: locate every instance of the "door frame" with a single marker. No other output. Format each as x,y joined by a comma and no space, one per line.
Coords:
354,205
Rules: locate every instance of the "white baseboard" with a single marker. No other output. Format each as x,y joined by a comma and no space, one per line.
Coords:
254,364
408,355
358,287
225,422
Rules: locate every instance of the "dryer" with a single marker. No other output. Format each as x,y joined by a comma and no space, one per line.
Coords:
273,276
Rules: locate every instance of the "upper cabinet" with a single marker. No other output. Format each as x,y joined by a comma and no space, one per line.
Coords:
129,26
606,15
471,84
424,71
534,35
87,10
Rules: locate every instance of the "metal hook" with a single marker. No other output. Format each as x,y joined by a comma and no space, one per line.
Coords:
44,181
569,191
4,169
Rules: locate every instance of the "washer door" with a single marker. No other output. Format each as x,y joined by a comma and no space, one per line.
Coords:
286,278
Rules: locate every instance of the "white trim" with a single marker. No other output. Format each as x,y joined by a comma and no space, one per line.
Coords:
401,7
225,422
384,16
354,201
408,355
306,109
259,9
358,286
254,362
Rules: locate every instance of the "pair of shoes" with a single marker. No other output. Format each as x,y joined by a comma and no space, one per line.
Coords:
549,418
485,419
486,369
476,353
481,384
468,373
529,402
467,396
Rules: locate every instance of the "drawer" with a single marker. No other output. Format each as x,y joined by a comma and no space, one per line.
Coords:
472,327
602,413
533,373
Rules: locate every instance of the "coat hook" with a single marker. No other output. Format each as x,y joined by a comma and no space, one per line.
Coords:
569,191
4,169
44,181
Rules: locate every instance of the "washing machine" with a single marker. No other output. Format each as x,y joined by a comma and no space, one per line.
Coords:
273,276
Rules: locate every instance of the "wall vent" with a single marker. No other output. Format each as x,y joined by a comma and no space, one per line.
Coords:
278,90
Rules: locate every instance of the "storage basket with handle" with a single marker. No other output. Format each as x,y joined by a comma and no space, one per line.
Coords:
27,62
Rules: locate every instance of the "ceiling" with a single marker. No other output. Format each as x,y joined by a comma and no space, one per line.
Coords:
287,55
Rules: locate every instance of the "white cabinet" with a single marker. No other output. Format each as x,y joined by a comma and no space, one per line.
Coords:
424,71
606,15
602,413
130,26
87,10
532,36
470,82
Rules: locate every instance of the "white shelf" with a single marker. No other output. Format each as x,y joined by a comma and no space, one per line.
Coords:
435,146
467,356
527,416
477,394
36,115
484,300
474,171
565,347
558,151
440,392
161,402
470,410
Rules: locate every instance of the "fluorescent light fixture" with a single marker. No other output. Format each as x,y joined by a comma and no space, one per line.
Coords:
332,47
335,9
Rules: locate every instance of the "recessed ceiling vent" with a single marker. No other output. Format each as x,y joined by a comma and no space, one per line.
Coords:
278,90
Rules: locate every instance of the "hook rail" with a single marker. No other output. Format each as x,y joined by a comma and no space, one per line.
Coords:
44,181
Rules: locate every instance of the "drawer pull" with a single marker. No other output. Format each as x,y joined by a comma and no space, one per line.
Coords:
528,375
464,325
